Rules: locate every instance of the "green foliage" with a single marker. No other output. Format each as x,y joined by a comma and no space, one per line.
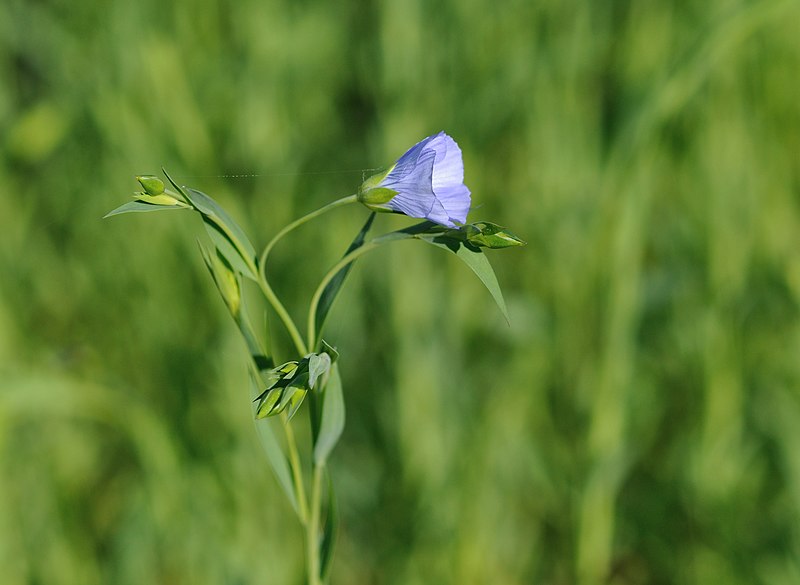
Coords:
275,456
331,291
485,234
142,205
638,422
331,422
292,381
224,232
477,262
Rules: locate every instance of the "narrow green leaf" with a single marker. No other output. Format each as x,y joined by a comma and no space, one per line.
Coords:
331,418
476,260
226,234
275,456
330,350
140,207
212,212
228,287
335,285
181,190
329,533
228,248
471,256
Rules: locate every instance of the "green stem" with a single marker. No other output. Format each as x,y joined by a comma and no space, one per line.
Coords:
313,527
312,310
346,259
297,472
283,314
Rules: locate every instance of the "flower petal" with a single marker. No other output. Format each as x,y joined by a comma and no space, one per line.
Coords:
455,199
449,167
429,182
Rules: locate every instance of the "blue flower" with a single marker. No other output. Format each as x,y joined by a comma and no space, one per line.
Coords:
427,182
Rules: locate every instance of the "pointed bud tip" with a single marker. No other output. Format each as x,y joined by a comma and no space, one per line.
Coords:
490,235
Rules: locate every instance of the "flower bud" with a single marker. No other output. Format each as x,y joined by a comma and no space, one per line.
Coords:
161,199
490,235
151,185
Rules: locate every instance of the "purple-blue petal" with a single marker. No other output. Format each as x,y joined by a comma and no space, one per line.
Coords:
429,180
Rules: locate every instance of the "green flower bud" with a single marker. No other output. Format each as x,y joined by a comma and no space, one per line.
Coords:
228,283
269,401
490,235
151,185
161,199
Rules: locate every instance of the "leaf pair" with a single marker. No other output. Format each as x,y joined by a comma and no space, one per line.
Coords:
228,237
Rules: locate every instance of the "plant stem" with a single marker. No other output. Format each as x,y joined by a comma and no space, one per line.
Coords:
346,259
312,528
273,299
312,310
297,472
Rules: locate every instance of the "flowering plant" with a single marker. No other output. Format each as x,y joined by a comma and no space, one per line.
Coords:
427,182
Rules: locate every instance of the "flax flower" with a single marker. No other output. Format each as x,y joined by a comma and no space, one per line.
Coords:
427,182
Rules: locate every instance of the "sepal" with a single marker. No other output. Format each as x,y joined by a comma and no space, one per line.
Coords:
375,197
293,380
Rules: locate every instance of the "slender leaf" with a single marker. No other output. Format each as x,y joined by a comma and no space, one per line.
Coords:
335,285
228,287
228,248
226,234
181,190
275,456
471,256
214,214
331,422
140,207
476,260
329,533
330,350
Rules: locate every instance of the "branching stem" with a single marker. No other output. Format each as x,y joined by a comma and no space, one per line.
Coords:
263,282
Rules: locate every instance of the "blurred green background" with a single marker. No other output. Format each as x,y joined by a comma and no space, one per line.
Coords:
638,422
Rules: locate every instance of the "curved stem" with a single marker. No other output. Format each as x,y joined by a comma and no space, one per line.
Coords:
312,309
273,299
346,259
300,221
